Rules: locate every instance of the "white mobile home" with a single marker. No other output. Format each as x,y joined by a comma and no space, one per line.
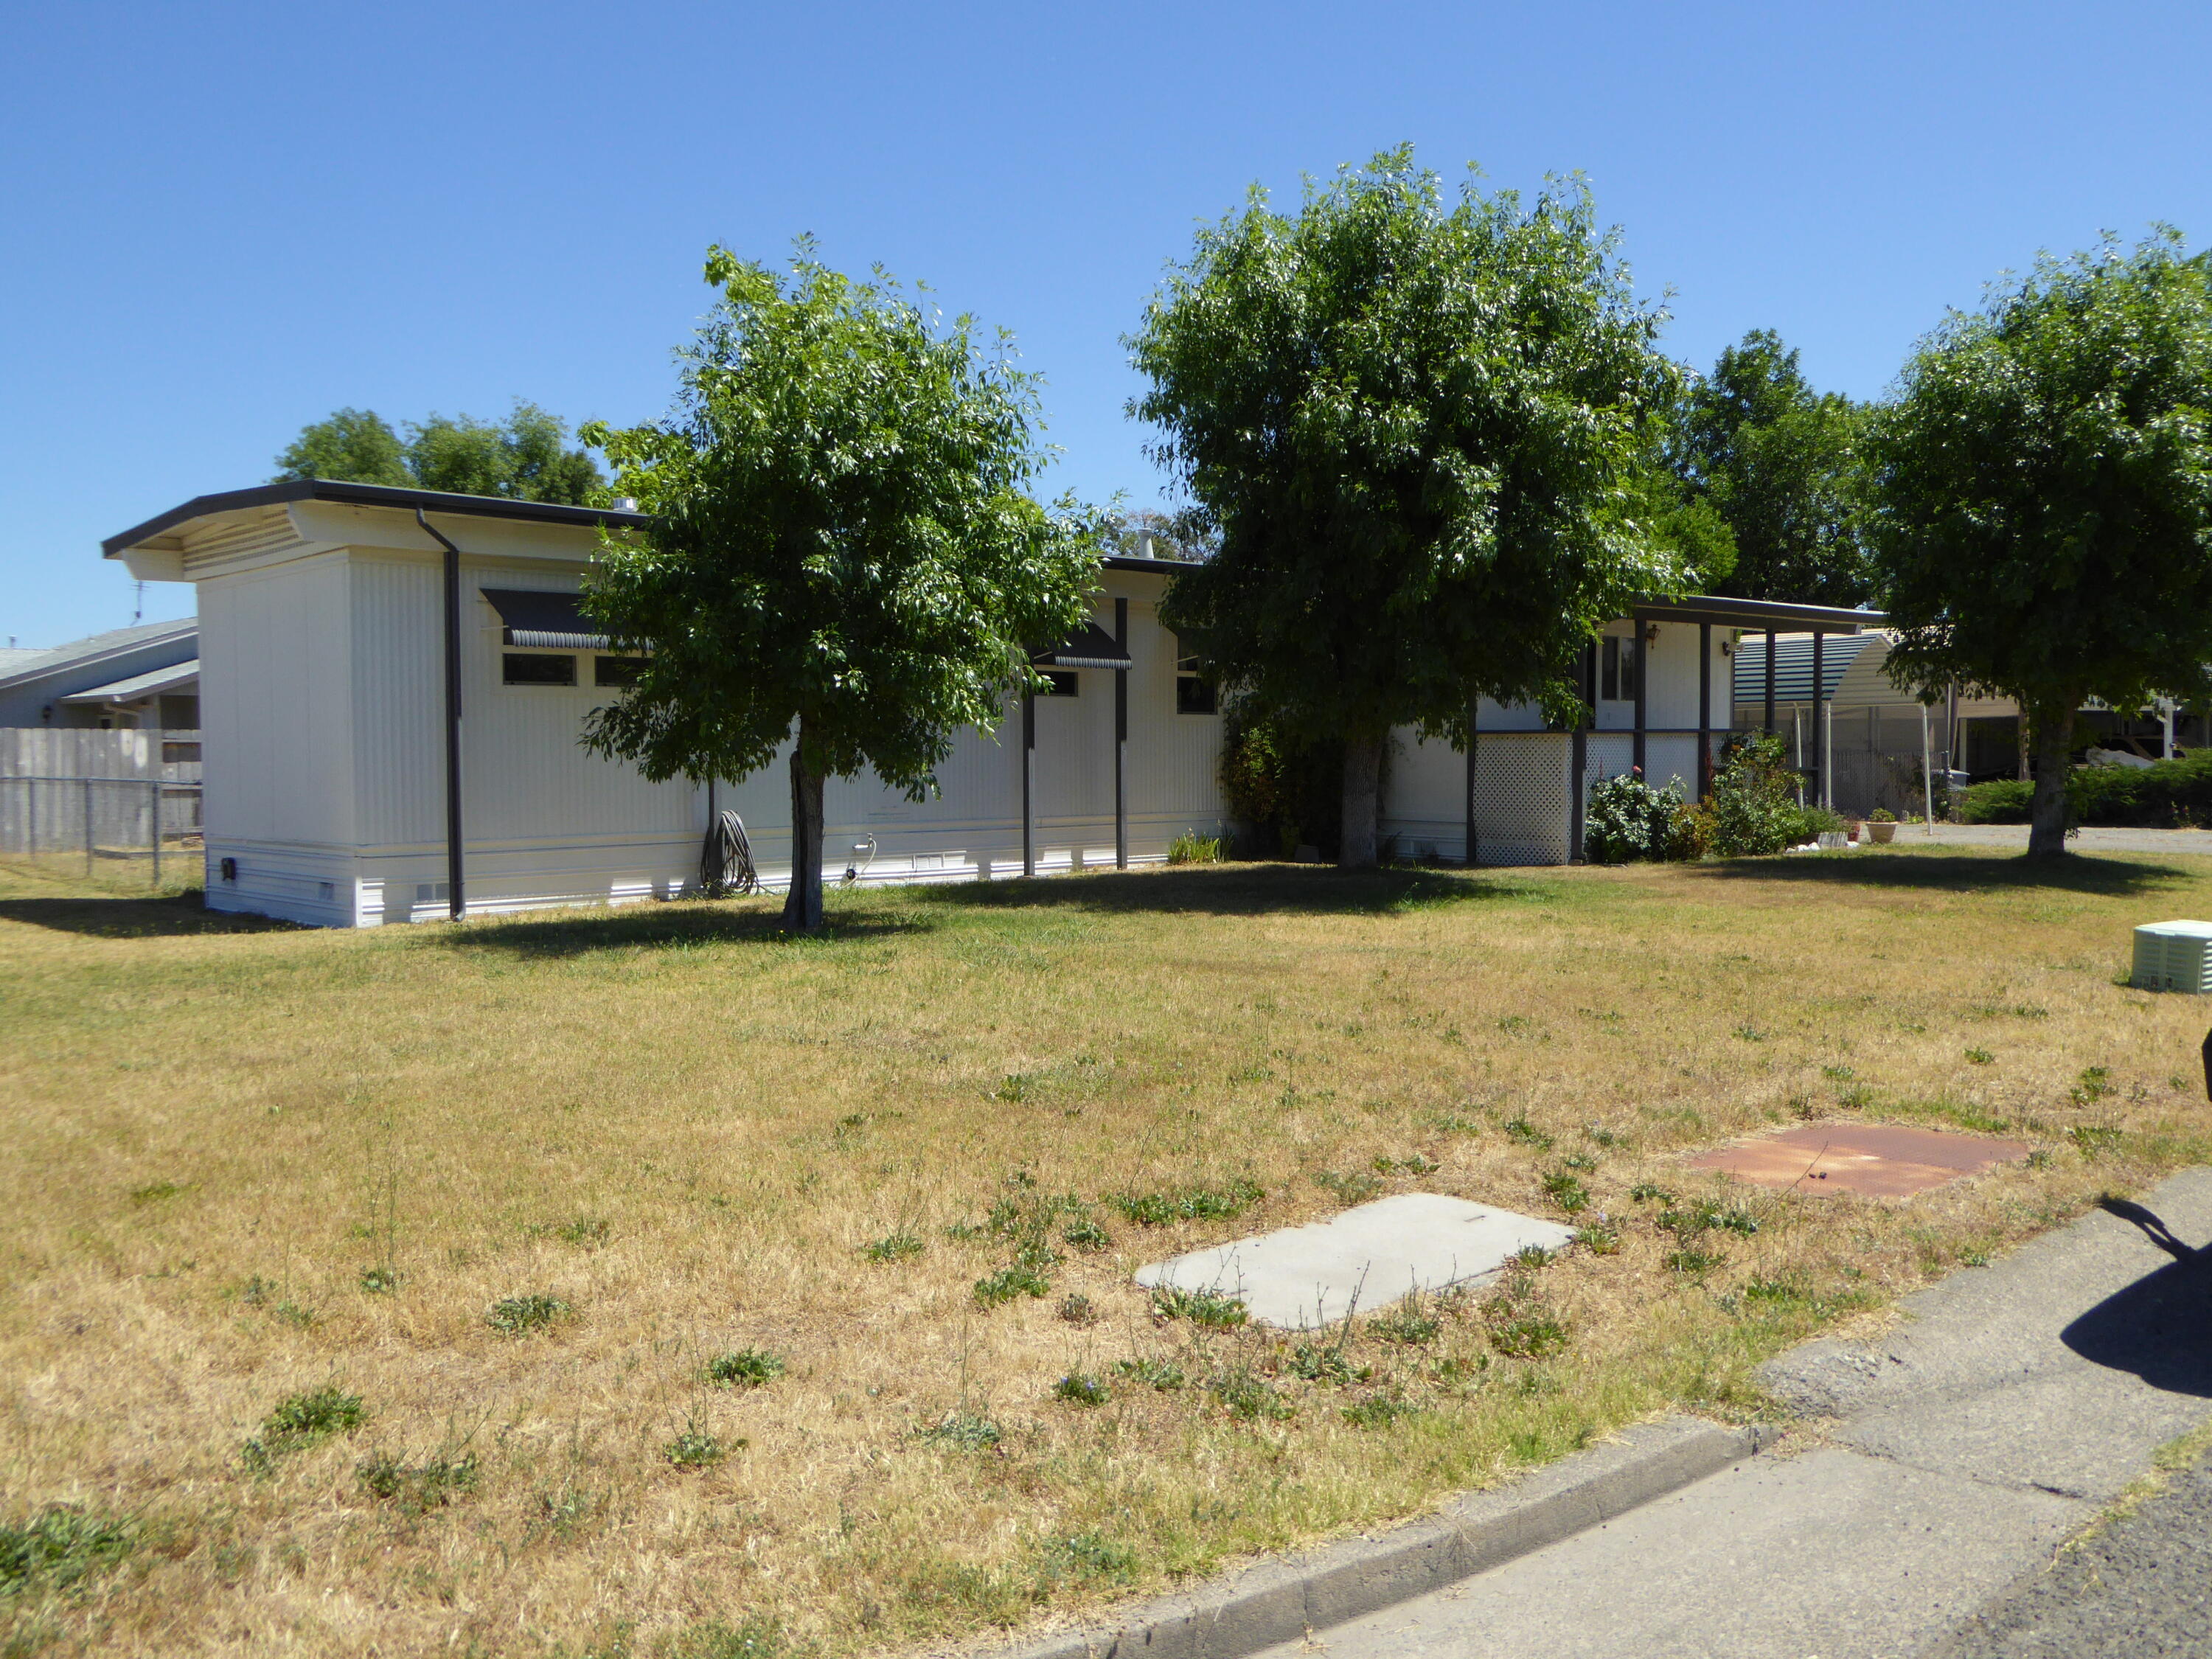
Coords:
392,684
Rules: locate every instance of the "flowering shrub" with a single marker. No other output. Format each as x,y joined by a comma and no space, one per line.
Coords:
1628,820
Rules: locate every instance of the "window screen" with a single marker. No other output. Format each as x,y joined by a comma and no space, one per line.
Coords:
1193,695
616,671
1616,671
536,668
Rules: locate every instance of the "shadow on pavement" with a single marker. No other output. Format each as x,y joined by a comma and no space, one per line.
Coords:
2159,1327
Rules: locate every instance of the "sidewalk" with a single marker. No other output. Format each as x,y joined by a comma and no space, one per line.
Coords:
1933,1467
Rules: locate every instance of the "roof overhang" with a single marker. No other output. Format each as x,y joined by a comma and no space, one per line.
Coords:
1780,615
149,684
364,494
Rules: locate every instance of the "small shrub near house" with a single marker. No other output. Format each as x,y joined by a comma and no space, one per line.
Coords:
1755,799
1627,819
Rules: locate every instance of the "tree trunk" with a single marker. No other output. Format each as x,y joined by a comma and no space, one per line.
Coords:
802,904
1363,790
2052,729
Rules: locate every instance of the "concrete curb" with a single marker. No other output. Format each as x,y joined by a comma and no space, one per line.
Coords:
1280,1601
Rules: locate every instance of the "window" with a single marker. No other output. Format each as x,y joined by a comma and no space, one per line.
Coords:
1195,692
1617,673
535,668
1063,682
616,671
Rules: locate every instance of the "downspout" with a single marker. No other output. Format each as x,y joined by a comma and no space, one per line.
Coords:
455,905
1121,739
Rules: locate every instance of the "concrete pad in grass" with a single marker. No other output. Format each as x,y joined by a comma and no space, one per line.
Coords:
1301,1278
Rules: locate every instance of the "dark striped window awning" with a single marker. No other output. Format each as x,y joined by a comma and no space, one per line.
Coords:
1089,646
543,621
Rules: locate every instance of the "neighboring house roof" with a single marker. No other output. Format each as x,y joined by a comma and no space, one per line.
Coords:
14,656
79,653
1793,666
141,685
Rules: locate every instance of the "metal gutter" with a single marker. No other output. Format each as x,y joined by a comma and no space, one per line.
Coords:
366,494
455,903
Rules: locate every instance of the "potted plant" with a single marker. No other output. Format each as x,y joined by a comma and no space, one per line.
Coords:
1881,824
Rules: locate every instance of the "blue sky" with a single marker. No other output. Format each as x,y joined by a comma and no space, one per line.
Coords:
228,219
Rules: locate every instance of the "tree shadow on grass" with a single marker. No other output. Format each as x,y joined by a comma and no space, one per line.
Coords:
661,927
1934,871
176,915
1228,890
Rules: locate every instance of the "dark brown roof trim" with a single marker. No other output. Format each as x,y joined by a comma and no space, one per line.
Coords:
1778,613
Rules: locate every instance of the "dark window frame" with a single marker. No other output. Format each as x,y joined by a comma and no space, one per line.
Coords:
1195,694
554,661
626,670
1063,682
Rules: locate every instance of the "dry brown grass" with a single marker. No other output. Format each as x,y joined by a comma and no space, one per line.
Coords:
215,1128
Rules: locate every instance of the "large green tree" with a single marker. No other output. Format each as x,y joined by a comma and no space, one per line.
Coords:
1779,463
842,546
525,458
1424,435
2042,497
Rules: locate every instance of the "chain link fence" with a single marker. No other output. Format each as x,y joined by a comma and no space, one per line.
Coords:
142,831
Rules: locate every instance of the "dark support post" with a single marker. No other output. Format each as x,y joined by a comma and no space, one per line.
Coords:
455,902
1121,739
1028,783
1643,661
1770,682
1578,754
1705,709
1473,734
1820,726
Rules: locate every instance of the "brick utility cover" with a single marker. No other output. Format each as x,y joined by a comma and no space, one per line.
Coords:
1301,1278
1882,1160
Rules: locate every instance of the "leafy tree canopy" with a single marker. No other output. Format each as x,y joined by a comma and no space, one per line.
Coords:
841,541
1425,435
524,457
1778,463
2042,488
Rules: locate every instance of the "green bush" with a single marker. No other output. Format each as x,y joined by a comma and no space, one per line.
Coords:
2003,801
1755,799
1627,819
1285,792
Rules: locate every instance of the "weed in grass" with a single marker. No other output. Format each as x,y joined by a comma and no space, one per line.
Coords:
1223,1203
1077,1309
418,1488
1082,1389
1324,1362
1521,1324
57,1549
1246,1395
1529,1257
964,1431
1598,1238
1410,1324
1414,1166
1377,1410
1694,1263
1566,1190
1857,1098
1163,1376
2093,1139
1980,1057
517,1316
1645,1192
2039,1159
758,1636
1020,1280
695,1448
1086,1235
1522,1133
1598,1135
1582,1163
2093,1085
379,1281
744,1368
1751,1033
1095,1557
590,1232
894,1246
292,1314
141,1196
1838,1073
1703,1215
1454,1123
301,1420
1356,1188
1208,1309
